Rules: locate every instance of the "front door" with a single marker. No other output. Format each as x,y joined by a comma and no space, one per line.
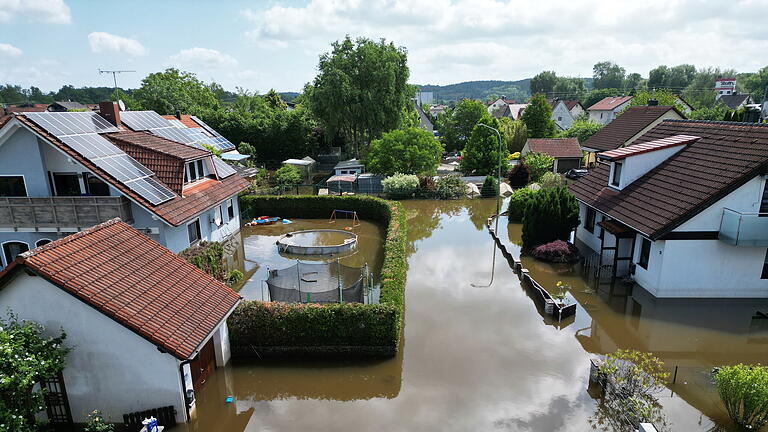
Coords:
203,365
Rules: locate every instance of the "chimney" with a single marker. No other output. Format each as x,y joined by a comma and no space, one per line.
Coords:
178,114
653,102
110,111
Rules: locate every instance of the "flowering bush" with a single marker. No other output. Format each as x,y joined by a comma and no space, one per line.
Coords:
550,179
95,423
450,187
400,185
557,251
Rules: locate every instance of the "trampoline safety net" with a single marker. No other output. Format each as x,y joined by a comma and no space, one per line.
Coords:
316,283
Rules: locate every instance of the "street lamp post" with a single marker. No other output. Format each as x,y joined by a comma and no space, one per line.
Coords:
498,192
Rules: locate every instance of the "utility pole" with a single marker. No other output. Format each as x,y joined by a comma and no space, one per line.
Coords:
114,78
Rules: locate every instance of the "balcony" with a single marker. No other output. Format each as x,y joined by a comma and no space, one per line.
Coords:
744,229
61,213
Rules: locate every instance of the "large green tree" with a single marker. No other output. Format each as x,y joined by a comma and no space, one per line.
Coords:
569,88
406,151
516,133
663,97
544,83
582,130
361,89
607,74
172,90
481,155
700,92
551,214
456,125
756,84
538,118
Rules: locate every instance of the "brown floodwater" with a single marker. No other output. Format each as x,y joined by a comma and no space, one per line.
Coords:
476,352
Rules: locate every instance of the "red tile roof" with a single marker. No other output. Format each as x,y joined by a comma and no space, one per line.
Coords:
556,147
636,149
186,120
610,103
571,104
630,123
725,157
136,282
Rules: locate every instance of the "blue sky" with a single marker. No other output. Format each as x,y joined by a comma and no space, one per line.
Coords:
260,45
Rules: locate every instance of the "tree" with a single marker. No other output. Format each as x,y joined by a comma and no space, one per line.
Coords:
569,88
274,100
538,164
538,118
27,357
174,90
450,187
581,130
457,124
516,133
517,202
407,151
633,81
400,185
519,175
717,112
756,84
550,215
675,79
744,391
361,89
607,75
663,97
288,175
544,83
700,92
490,188
481,155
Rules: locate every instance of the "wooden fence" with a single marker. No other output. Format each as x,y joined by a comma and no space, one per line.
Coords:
62,212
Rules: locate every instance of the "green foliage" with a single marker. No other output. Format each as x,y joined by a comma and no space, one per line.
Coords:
274,100
744,391
339,329
212,149
550,215
538,118
234,277
408,151
676,78
457,124
700,92
172,90
515,132
26,358
94,422
517,203
409,117
400,185
450,187
519,175
755,83
544,83
581,130
607,75
490,188
538,164
717,112
569,88
479,90
207,256
481,155
550,179
288,175
664,97
361,89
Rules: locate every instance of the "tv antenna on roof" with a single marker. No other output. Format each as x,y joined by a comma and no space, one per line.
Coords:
114,79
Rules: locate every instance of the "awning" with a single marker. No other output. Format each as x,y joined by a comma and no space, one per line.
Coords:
341,178
234,155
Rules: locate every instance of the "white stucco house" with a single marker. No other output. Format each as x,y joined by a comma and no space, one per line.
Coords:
565,112
605,110
140,339
681,210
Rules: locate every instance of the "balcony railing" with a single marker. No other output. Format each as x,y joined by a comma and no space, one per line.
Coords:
744,229
60,212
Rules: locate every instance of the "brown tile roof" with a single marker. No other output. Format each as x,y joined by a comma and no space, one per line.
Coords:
727,156
160,145
609,103
556,147
136,282
640,148
628,124
176,211
20,109
571,104
186,120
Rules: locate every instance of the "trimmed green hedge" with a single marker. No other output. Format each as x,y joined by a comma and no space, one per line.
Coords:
259,328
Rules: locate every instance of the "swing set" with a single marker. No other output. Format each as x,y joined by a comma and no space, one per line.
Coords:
348,214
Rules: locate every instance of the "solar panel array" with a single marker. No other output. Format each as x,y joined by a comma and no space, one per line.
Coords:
144,120
222,144
222,168
80,133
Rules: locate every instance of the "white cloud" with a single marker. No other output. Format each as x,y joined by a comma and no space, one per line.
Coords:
104,42
202,58
47,11
8,50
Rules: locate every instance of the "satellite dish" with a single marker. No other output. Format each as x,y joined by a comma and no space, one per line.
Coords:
121,105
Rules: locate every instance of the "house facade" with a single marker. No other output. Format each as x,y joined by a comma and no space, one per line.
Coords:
562,115
58,175
349,167
657,212
605,110
565,151
128,353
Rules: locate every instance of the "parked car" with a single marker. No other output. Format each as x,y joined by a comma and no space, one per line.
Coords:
576,173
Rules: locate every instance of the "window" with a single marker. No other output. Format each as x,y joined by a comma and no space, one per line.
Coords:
13,186
764,275
200,171
42,242
193,231
94,186
217,215
230,209
194,171
66,184
645,253
589,220
601,115
13,249
616,179
559,118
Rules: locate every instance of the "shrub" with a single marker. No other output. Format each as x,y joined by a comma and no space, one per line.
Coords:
519,175
557,251
234,277
427,186
288,175
550,215
400,185
450,187
517,202
514,156
207,256
94,422
550,179
744,391
538,164
490,188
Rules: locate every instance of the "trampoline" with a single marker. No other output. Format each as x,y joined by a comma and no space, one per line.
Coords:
317,242
318,283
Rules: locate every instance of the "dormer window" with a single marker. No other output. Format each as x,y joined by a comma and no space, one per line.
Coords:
616,177
194,171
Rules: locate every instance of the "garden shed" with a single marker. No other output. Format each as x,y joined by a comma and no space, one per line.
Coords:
565,151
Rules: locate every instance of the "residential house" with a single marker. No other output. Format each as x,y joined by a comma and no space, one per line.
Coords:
565,151
735,101
630,125
424,121
724,87
680,210
561,113
306,167
64,106
20,108
436,110
575,107
349,167
683,105
140,339
62,172
193,127
605,110
498,104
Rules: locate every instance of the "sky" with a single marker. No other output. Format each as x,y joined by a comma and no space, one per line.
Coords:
259,45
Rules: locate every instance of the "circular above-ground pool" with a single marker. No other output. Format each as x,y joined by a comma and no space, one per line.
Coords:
317,242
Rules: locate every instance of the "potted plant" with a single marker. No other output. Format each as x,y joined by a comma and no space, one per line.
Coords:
560,295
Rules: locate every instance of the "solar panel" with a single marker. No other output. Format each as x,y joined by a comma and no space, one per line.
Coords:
222,168
144,120
150,189
71,123
173,134
222,143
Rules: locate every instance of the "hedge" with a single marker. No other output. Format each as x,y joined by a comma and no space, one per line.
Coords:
275,329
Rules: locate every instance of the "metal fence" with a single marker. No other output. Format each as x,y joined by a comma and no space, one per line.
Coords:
331,282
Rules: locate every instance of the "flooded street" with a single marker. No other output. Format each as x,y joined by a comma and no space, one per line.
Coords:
477,355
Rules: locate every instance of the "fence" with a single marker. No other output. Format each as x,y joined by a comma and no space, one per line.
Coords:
166,416
319,283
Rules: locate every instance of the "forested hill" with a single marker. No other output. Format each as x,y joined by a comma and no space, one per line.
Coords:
481,90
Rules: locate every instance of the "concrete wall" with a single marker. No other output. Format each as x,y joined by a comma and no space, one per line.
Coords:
110,368
31,165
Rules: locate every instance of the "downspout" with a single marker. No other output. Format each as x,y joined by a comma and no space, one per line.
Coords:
183,386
